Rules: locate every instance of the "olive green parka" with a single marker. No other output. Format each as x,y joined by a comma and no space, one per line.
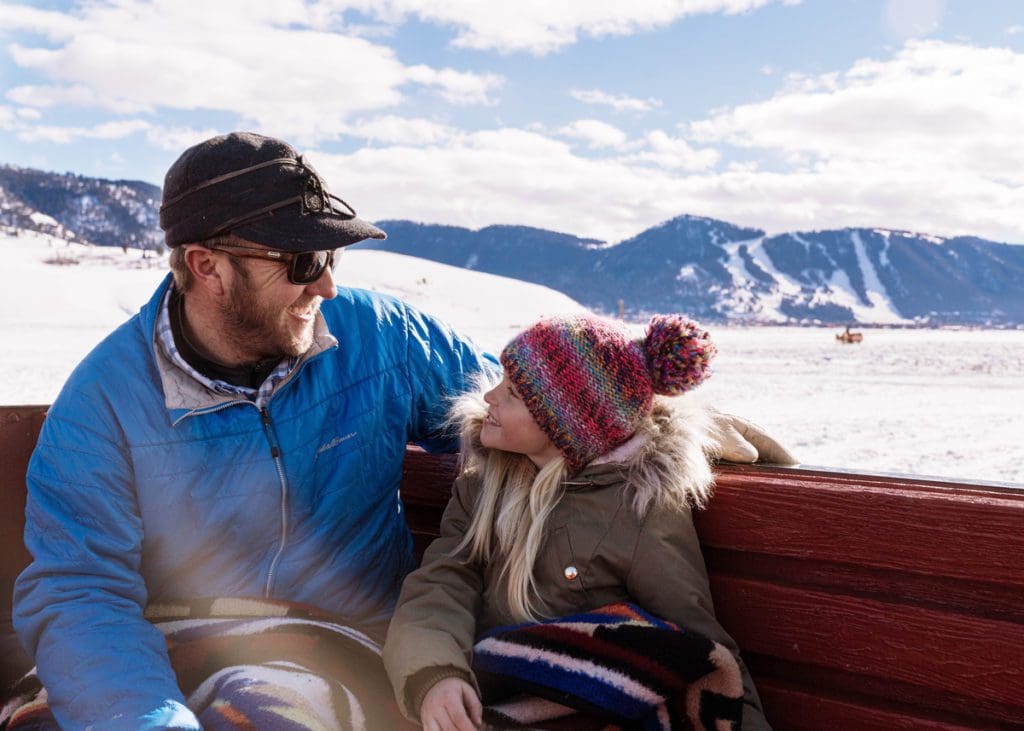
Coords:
598,549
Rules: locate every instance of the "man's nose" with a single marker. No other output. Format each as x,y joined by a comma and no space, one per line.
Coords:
324,286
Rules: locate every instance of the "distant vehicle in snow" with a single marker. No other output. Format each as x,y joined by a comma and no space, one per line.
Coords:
849,336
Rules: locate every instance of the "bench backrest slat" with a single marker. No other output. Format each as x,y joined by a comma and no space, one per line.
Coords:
19,428
887,523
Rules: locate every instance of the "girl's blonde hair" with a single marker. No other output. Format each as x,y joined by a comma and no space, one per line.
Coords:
515,498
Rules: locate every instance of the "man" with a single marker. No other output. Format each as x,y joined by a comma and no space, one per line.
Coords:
242,436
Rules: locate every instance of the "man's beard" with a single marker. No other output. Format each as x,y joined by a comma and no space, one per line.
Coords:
259,329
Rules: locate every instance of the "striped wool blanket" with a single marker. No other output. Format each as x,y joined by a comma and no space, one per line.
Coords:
616,664
256,664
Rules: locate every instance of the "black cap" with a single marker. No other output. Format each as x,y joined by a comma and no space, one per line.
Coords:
260,189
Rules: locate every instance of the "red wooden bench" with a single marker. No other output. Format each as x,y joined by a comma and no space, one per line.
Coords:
860,601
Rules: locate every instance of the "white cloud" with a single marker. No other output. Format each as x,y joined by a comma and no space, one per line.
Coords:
495,176
746,166
118,129
135,58
376,30
516,176
617,102
1015,29
12,118
64,135
673,153
927,140
457,87
390,129
176,139
76,95
913,18
595,133
934,108
539,26
51,24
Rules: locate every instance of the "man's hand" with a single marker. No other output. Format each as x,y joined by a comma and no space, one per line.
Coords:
451,705
739,440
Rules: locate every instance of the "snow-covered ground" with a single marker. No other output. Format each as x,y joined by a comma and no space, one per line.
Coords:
932,402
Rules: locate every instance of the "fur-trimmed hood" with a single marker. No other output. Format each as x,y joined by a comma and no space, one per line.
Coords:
667,460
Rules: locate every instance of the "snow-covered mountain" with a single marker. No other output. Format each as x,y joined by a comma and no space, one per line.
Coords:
76,208
711,269
720,271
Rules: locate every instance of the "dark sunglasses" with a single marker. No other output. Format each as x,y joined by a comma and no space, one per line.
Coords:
304,267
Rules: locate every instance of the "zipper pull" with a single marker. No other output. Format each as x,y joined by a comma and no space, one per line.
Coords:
265,416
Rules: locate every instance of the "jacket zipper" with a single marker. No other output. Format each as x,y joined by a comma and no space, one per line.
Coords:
275,452
209,410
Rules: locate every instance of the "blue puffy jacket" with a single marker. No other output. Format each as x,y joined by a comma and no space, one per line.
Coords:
146,487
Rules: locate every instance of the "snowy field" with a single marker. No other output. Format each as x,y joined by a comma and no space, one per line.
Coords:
929,402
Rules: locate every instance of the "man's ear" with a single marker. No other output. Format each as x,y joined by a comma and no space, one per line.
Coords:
206,268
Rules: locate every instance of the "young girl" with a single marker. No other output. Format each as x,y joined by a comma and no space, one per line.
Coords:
575,493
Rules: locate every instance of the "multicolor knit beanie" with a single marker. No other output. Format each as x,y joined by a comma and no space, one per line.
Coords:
588,384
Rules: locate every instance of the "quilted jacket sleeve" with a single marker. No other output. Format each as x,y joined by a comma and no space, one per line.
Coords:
78,606
441,365
668,578
433,628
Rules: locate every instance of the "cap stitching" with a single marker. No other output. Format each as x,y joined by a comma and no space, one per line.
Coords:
228,176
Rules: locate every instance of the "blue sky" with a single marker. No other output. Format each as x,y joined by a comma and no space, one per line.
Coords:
594,117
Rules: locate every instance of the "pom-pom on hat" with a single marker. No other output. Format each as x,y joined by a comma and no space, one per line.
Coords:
588,384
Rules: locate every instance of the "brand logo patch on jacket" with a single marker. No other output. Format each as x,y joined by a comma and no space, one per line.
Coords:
335,442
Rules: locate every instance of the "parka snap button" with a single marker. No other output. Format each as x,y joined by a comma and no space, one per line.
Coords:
571,573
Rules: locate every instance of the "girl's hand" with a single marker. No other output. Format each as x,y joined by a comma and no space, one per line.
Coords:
451,705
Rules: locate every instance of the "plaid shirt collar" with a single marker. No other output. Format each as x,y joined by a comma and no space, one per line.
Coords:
259,396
